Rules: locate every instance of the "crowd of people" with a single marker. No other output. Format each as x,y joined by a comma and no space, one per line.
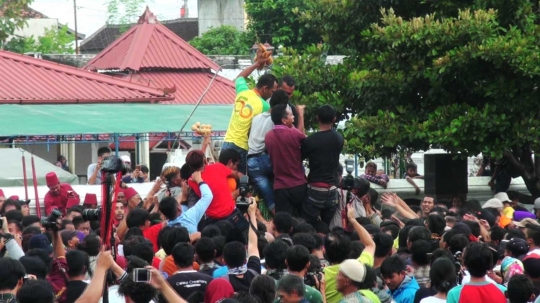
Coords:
198,237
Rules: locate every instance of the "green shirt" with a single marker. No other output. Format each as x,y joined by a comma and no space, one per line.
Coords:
311,294
330,275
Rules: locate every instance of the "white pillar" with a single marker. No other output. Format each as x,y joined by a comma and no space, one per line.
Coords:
144,149
71,156
94,147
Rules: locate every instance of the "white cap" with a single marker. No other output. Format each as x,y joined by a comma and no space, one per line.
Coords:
126,158
493,203
354,270
537,203
503,197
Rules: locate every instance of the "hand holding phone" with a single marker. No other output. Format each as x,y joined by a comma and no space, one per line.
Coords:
142,275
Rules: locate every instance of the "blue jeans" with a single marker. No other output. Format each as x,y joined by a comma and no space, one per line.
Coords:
243,154
261,175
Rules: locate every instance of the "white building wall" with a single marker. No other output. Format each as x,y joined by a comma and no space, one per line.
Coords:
37,27
215,13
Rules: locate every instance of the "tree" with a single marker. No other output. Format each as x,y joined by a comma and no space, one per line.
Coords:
124,12
224,40
12,17
55,41
465,81
277,22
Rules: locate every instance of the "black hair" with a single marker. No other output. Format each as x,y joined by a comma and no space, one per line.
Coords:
234,254
279,97
436,224
390,226
278,113
144,169
227,155
297,258
392,265
10,202
458,243
186,171
419,252
474,226
533,232
443,275
219,244
17,223
287,79
11,272
449,234
183,255
34,266
497,233
411,165
14,215
65,223
36,291
136,218
77,221
133,232
245,297
515,233
369,279
263,288
78,263
139,247
75,208
41,254
267,80
513,195
403,236
319,243
211,231
305,228
415,222
383,244
91,244
168,206
225,226
169,236
261,227
337,247
290,283
478,259
326,114
441,253
364,221
103,150
137,292
29,220
419,233
275,254
356,249
520,289
306,240
532,267
283,222
205,249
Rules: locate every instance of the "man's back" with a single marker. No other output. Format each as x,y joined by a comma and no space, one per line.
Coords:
187,282
477,292
283,145
322,149
262,124
215,175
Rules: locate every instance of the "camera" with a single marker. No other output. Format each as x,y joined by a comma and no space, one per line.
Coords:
242,202
92,214
50,223
113,164
309,278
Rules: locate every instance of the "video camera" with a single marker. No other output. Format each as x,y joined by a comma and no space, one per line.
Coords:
113,164
92,214
50,223
242,202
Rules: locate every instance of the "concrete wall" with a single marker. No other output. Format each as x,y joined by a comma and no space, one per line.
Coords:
37,27
215,13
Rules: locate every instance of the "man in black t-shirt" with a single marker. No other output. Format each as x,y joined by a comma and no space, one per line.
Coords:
187,281
322,149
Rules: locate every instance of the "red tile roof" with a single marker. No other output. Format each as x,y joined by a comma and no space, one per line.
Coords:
27,80
150,45
189,86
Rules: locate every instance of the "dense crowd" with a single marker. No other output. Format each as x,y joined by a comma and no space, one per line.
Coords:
199,234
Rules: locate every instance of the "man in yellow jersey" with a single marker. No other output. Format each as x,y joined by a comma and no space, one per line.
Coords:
248,104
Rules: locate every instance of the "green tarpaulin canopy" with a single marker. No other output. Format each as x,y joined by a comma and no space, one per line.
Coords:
71,119
11,173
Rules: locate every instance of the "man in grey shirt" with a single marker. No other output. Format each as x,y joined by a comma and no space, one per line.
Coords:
258,161
93,175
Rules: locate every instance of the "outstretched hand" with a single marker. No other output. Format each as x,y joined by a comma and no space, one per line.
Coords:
389,199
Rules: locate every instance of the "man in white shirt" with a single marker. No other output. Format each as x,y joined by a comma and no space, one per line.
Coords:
93,173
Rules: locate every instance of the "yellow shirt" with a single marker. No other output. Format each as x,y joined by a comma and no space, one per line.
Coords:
330,275
508,212
248,104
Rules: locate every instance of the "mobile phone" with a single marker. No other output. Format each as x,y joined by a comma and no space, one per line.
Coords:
138,167
141,275
71,194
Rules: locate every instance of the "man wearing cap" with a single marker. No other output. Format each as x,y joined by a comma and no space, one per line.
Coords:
59,195
508,210
497,205
93,173
349,279
90,201
70,238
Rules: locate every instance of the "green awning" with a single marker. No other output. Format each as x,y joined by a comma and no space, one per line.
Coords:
72,119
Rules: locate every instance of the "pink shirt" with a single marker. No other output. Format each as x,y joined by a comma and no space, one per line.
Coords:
283,144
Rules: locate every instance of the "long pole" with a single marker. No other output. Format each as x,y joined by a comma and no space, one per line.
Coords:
76,32
36,197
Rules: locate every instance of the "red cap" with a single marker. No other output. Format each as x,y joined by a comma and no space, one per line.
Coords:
2,193
52,179
130,193
90,199
14,198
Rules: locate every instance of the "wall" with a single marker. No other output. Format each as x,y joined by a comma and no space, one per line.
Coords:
37,27
215,13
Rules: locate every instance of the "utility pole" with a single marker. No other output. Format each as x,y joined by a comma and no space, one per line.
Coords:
76,32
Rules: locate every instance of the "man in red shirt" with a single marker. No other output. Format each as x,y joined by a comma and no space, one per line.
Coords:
283,144
59,195
223,206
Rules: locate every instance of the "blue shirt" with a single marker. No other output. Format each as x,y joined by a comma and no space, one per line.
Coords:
190,218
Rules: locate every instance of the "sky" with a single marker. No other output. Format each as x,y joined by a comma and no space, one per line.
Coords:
92,14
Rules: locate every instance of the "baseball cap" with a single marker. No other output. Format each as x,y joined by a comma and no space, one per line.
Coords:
503,197
537,203
354,270
493,203
40,241
517,246
67,235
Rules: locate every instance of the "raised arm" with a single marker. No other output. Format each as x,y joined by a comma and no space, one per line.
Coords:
365,237
253,250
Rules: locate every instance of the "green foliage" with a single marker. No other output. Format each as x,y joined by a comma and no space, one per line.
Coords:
124,12
12,17
277,22
224,40
55,41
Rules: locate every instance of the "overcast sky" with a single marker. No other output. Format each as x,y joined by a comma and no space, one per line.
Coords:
92,14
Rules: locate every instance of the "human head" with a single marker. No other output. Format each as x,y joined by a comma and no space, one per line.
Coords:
266,85
436,223
337,247
78,263
171,174
291,289
81,225
119,211
350,276
306,240
169,207
15,227
10,205
287,84
516,248
478,259
139,247
196,160
230,158
263,287
532,232
427,204
135,292
169,236
443,274
412,169
326,114
91,244
121,197
384,243
36,291
371,169
283,223
74,211
275,254
393,271
279,97
183,255
211,231
34,266
205,250
53,184
297,259
282,115
145,171
520,289
11,275
69,238
418,233
138,218
234,254
103,152
420,250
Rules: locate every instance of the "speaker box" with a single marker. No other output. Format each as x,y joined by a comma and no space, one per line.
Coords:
445,176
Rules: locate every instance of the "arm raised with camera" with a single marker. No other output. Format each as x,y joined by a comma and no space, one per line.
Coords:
94,290
363,234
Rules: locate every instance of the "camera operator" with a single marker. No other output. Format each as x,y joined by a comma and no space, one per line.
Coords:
59,268
93,172
298,264
11,279
59,195
359,188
